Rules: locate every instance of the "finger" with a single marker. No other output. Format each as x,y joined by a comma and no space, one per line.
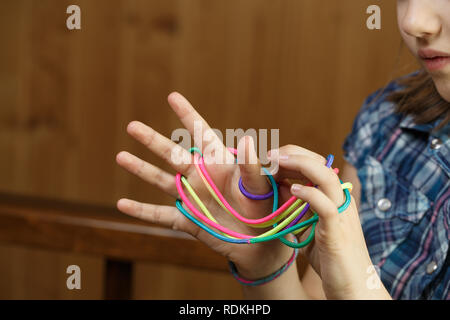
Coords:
148,172
196,125
281,172
318,174
176,156
285,194
320,203
250,168
284,173
293,149
166,216
161,215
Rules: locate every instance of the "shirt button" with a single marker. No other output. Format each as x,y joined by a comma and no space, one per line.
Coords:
384,204
436,144
431,267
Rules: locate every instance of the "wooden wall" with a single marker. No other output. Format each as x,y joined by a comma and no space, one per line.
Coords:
303,66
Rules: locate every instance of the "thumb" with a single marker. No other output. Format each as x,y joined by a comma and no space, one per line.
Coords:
250,168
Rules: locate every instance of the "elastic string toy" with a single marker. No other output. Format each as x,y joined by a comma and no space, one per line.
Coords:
254,196
290,224
226,230
261,225
199,162
205,219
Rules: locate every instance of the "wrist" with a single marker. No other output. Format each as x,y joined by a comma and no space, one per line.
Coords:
362,283
286,287
271,261
371,288
370,285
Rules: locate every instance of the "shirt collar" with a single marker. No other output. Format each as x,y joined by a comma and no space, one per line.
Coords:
408,123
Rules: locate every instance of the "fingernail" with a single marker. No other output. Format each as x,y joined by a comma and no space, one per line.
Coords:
123,157
296,188
273,153
273,171
283,157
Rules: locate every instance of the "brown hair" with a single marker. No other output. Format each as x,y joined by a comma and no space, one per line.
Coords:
420,98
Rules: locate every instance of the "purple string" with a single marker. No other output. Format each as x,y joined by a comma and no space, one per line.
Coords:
254,196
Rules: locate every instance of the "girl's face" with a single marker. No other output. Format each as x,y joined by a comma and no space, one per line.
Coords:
425,27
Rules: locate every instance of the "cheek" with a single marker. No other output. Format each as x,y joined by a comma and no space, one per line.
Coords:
410,43
443,87
401,12
409,40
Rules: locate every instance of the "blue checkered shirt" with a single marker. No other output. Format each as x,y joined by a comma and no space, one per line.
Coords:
405,190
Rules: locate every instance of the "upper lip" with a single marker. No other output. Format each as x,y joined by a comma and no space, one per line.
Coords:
430,53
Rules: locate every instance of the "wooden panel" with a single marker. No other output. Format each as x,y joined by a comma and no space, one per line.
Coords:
31,273
162,281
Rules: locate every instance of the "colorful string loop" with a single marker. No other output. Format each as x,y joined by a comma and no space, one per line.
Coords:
284,219
254,196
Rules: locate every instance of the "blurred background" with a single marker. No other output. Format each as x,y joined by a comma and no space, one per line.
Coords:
66,96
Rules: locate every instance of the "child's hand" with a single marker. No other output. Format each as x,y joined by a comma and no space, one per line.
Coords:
339,253
253,261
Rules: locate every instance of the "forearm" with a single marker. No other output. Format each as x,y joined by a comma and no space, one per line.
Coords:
358,280
286,287
371,288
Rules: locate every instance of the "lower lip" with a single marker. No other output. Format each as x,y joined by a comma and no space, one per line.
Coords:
436,63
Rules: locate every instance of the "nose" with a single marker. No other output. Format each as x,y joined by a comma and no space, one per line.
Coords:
421,20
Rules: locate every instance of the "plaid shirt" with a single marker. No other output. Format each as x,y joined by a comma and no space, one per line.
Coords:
405,190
